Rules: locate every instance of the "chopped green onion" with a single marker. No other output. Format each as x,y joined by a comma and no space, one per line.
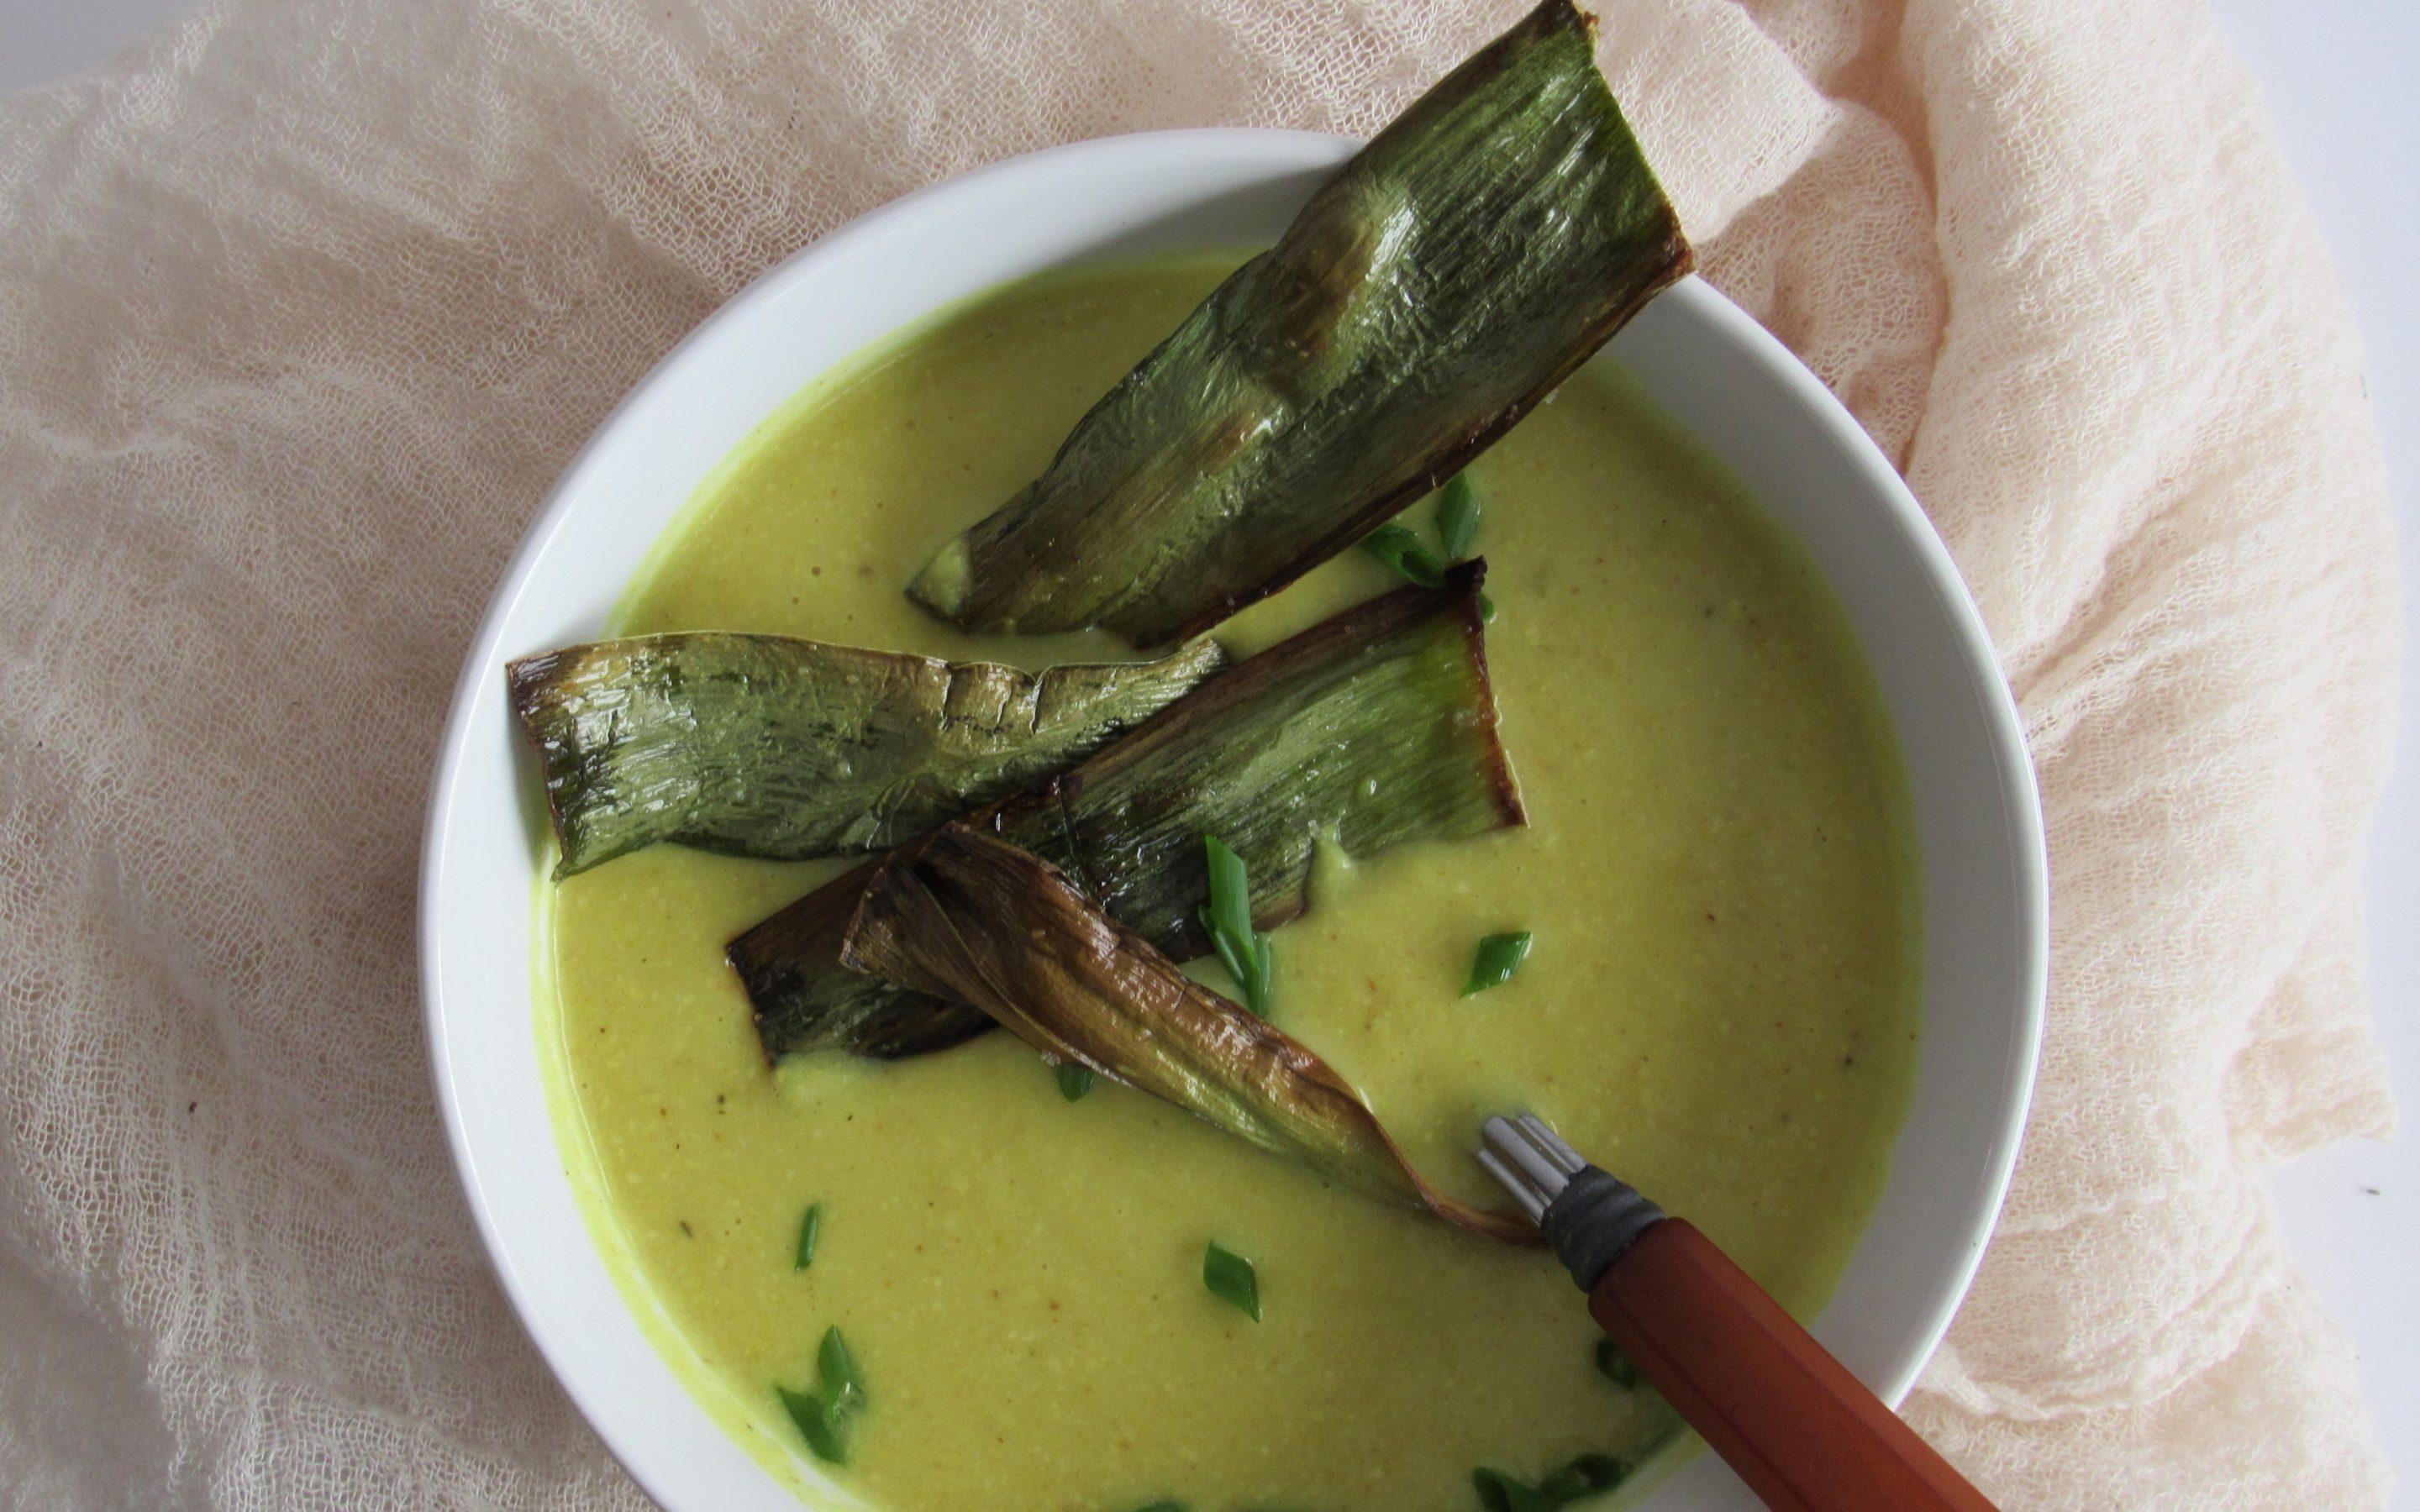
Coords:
1499,1492
1230,889
1073,1080
1169,1506
818,1423
822,1415
1616,1365
1224,944
1227,918
1458,516
1500,956
810,1228
1232,1278
1401,549
837,1371
1486,609
1590,1474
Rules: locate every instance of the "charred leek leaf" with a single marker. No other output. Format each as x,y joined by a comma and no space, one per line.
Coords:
1374,727
768,746
1433,291
967,915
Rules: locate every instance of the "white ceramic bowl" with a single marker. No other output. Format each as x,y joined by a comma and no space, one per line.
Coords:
1717,370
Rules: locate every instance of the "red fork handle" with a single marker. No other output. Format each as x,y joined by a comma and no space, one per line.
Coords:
1804,1434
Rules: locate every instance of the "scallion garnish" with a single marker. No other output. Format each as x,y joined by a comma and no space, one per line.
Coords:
810,1228
1458,516
1500,956
1401,549
822,1415
1073,1080
1457,524
1228,919
1591,1474
1232,1278
1615,1366
1230,889
836,1369
818,1423
1170,1505
1499,1492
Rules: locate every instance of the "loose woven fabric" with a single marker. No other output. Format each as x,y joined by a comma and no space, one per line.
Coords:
303,306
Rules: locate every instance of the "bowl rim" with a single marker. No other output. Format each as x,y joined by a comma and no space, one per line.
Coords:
1282,152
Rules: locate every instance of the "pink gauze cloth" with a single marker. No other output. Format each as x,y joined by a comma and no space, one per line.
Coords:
304,303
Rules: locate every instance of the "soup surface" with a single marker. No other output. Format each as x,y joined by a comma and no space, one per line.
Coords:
1721,1005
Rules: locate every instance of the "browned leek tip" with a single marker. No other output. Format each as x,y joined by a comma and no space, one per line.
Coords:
965,915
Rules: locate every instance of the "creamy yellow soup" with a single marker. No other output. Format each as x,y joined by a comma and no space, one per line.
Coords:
1721,1005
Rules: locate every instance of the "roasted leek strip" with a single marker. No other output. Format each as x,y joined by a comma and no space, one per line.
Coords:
773,747
1430,294
1371,728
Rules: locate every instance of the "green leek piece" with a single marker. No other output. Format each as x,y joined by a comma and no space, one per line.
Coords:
1494,962
1500,1492
1458,516
1586,1476
1227,918
965,915
1615,1366
836,1371
822,1415
819,1421
1074,1082
1401,551
1433,291
773,747
1230,1279
1374,727
811,1228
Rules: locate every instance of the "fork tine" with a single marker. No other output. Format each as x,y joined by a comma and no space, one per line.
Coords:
1524,1165
1551,1143
1532,1202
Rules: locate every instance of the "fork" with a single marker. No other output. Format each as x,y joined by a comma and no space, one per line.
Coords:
1805,1434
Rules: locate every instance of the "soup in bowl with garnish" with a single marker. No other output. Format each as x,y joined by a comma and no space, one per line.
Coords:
1604,736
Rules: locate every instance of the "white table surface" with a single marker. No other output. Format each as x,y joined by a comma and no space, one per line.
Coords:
2338,76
